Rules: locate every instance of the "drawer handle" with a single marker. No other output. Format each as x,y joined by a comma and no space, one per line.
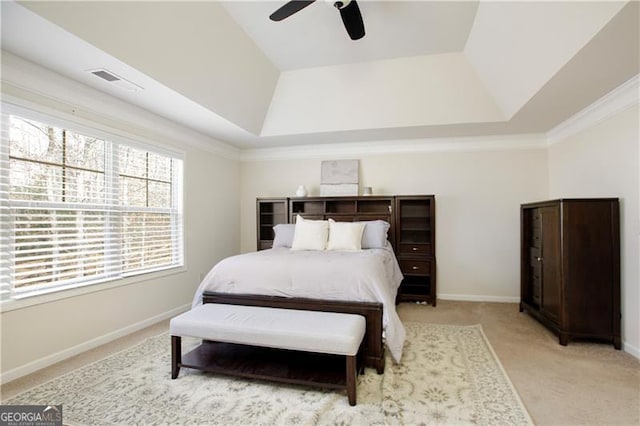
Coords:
414,248
415,267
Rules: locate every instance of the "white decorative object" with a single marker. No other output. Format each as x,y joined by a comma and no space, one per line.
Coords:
367,191
339,177
302,191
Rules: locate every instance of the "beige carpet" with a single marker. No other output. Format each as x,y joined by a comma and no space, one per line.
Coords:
579,384
449,375
584,383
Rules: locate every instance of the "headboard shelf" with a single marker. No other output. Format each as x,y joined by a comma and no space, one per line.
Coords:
340,206
327,206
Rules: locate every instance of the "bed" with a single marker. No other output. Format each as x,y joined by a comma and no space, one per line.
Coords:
363,282
360,280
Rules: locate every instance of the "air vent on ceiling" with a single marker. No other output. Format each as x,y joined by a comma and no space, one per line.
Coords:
115,80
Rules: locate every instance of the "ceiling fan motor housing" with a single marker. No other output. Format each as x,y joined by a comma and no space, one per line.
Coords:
340,4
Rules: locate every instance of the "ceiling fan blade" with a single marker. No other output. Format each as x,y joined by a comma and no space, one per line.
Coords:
352,19
289,9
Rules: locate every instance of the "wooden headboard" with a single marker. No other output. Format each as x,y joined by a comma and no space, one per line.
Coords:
412,231
344,209
273,211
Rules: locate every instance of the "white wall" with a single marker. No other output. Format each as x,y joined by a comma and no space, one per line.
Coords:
602,161
478,197
478,194
35,335
514,59
238,87
331,98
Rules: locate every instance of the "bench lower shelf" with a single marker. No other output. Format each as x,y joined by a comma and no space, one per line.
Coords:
285,366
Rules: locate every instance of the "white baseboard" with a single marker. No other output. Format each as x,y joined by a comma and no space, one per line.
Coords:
85,346
478,298
630,349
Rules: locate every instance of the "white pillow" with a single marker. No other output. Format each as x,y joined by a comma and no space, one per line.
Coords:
345,235
310,234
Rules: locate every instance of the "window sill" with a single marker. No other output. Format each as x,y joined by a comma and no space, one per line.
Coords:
52,295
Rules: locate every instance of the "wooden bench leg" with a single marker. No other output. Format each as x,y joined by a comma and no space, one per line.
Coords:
176,355
360,359
351,379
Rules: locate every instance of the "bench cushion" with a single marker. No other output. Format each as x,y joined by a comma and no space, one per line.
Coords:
309,331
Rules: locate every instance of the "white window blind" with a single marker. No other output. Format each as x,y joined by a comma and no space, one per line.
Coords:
78,209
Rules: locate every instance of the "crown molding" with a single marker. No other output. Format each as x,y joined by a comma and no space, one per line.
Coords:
619,99
360,149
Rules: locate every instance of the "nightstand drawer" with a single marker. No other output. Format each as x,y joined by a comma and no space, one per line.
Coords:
415,267
415,248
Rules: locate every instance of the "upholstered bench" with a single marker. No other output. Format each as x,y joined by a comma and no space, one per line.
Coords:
290,332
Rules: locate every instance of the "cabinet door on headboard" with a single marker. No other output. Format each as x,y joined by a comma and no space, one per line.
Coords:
270,212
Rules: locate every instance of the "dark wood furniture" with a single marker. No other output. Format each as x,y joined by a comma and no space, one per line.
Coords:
570,267
285,354
415,247
252,362
270,212
373,348
412,233
343,209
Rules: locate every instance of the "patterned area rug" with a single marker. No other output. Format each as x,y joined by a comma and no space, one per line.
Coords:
448,375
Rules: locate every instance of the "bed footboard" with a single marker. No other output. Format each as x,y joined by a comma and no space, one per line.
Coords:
374,348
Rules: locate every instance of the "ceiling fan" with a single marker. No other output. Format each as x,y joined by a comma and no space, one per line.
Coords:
349,11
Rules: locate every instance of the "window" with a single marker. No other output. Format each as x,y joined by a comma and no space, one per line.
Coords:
79,209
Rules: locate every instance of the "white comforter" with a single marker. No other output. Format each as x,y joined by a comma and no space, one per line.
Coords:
371,275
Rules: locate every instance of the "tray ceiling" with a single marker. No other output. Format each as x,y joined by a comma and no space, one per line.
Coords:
424,69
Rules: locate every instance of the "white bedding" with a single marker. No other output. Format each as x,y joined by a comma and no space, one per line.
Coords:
371,275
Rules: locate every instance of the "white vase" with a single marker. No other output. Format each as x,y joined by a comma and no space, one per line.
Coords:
301,191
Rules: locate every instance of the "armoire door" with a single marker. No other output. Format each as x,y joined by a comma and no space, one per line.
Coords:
549,222
535,257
